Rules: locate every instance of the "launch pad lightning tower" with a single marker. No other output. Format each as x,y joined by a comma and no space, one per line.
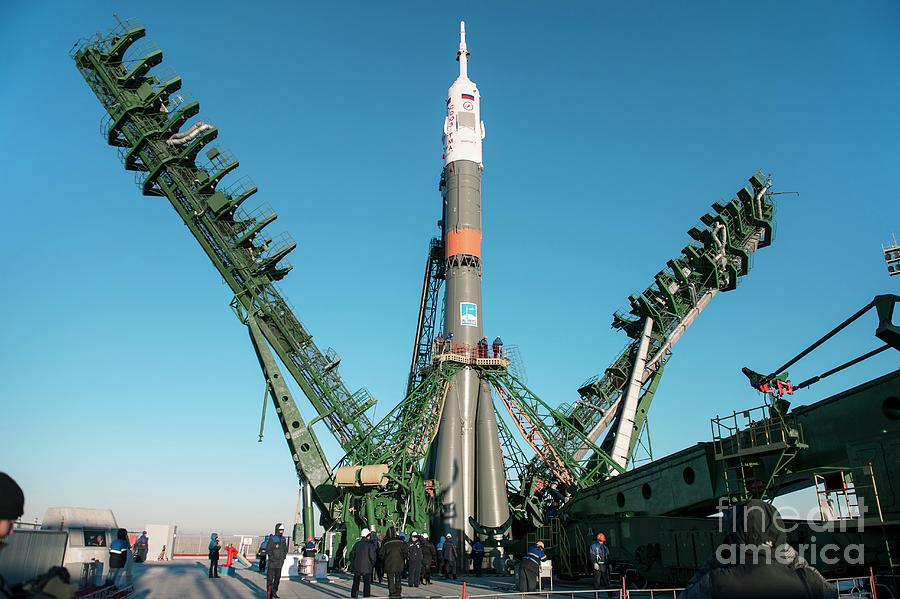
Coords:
467,457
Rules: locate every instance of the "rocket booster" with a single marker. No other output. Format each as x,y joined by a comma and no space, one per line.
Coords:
467,457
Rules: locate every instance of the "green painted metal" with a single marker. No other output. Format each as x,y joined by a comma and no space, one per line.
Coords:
719,256
428,314
310,461
145,119
643,408
551,420
401,441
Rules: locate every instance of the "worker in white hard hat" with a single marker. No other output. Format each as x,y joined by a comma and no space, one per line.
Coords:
414,559
451,556
362,562
429,558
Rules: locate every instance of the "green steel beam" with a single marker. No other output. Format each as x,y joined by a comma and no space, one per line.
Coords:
143,115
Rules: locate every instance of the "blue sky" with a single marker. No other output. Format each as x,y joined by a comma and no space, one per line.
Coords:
125,380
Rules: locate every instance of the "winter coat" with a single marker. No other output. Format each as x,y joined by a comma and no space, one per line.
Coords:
477,549
429,553
118,549
448,552
393,553
362,557
756,561
532,560
214,546
414,552
276,550
599,553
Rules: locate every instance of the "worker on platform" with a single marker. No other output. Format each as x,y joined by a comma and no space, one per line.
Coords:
483,348
362,563
214,547
497,346
477,556
310,549
530,568
451,556
393,553
755,560
598,557
429,558
439,343
276,552
414,558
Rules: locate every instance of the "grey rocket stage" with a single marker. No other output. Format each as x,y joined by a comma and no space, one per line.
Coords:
466,456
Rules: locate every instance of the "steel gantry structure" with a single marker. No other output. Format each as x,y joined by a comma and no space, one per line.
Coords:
146,119
618,400
380,481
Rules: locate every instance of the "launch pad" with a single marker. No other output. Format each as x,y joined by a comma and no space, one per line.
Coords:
446,457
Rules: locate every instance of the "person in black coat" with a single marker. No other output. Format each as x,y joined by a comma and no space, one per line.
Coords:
451,556
429,558
393,553
415,556
379,565
362,562
276,552
755,560
214,547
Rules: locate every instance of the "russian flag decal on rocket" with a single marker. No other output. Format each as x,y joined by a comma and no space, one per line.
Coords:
468,97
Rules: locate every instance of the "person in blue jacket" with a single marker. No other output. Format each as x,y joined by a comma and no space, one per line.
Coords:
530,570
477,556
599,560
214,547
118,557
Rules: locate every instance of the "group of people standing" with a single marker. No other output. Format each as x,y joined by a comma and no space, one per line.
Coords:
483,349
395,557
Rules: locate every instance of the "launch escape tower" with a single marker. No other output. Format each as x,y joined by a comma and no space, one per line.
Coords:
416,466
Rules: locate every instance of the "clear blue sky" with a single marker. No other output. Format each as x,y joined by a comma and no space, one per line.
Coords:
125,380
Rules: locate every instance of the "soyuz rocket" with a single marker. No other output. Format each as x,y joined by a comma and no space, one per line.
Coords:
467,460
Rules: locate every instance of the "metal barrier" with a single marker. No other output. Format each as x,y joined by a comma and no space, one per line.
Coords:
853,587
590,594
196,545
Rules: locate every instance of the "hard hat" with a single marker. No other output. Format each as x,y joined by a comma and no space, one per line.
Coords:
449,536
364,532
601,537
540,544
424,535
414,534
